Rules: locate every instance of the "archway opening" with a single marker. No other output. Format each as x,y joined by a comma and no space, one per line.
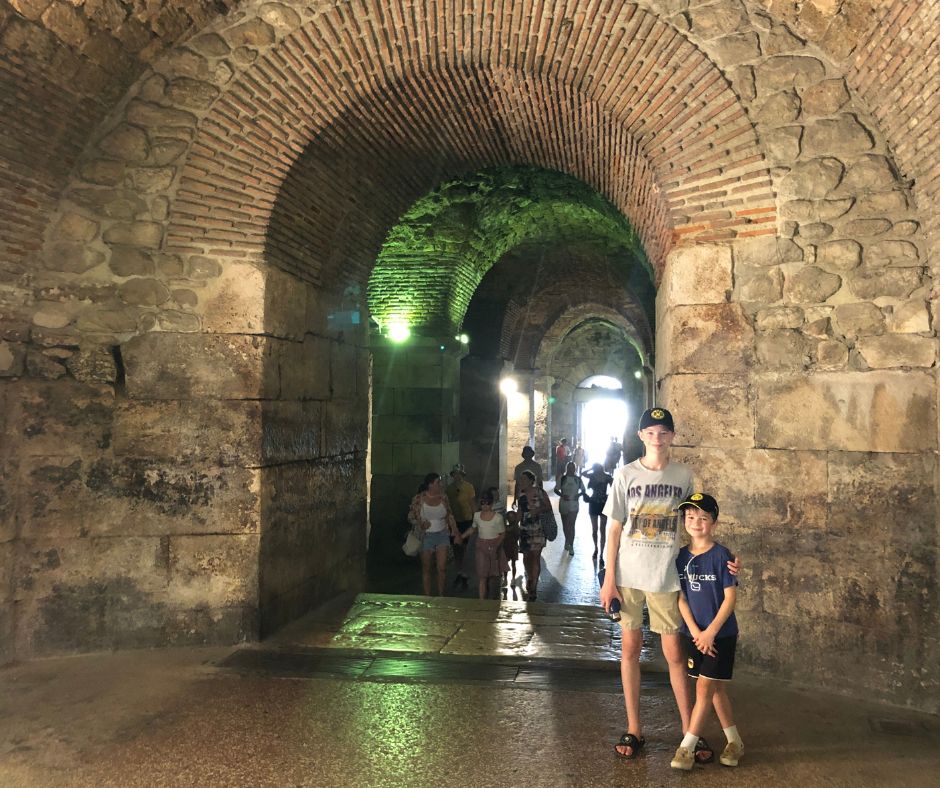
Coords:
602,420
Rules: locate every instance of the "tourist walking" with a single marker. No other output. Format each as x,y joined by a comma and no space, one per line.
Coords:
430,515
528,464
462,498
570,488
598,481
532,502
490,528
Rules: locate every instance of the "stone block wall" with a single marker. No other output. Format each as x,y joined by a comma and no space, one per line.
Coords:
826,477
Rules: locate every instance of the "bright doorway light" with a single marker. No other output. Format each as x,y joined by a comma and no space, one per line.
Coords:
508,386
601,420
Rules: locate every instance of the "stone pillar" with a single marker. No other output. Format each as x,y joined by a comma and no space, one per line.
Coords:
483,423
541,388
415,427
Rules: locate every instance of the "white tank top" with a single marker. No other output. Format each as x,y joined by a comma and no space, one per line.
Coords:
436,516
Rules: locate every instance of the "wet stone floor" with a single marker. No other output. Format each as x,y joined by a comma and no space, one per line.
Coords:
392,689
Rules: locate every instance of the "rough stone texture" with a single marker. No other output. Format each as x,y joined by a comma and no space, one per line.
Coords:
715,338
810,285
857,319
716,410
860,411
898,350
698,275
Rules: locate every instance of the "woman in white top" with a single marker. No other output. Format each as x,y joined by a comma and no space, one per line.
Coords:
570,488
432,521
490,558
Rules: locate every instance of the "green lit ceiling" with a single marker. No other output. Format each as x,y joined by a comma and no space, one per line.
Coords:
434,258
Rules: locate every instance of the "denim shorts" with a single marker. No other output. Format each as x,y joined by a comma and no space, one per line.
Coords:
434,540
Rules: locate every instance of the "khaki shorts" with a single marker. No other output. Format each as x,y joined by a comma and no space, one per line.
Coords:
665,618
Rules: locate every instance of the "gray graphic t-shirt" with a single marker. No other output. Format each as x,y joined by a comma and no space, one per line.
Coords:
645,502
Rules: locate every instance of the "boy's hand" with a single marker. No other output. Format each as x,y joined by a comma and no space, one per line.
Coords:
608,595
705,642
734,565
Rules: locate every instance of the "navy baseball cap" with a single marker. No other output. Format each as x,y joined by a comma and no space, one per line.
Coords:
702,501
656,416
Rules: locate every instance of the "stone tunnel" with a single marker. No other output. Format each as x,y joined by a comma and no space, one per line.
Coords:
214,215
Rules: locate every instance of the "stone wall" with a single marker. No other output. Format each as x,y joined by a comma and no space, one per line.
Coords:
825,473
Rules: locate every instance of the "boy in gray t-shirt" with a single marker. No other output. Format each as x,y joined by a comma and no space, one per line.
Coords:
642,544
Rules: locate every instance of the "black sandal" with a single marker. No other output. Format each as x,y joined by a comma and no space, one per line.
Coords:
702,747
634,743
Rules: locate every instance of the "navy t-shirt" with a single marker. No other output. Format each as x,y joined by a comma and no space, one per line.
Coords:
703,579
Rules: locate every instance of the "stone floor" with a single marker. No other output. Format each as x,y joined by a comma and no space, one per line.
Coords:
396,690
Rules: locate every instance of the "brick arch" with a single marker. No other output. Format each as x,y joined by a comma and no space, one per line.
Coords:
434,259
572,319
616,107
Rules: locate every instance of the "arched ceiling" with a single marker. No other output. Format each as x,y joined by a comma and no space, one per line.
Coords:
534,285
434,258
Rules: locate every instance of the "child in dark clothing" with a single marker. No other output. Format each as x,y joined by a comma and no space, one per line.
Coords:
706,602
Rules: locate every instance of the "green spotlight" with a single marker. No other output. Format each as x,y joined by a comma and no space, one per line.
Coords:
398,331
551,400
638,374
464,339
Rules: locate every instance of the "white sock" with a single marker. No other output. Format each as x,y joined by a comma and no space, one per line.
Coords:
733,736
689,741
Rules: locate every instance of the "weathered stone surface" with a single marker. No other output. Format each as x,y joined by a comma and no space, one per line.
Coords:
909,317
811,180
810,285
211,45
75,227
149,180
779,317
826,97
106,172
144,292
125,142
783,145
753,486
698,274
869,283
216,570
148,115
839,255
887,489
767,251
51,315
734,49
93,365
894,253
108,321
40,364
786,71
166,151
129,261
255,33
51,419
858,319
143,234
279,15
292,431
906,228
866,227
189,366
831,354
783,349
235,301
716,410
849,411
716,19
707,338
815,231
843,136
176,321
303,369
112,203
869,173
779,109
897,350
12,359
201,267
757,285
192,93
816,210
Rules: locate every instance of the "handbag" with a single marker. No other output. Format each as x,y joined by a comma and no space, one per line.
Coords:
549,524
412,545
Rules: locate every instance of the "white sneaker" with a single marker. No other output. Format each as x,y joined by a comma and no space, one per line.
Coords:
685,759
731,754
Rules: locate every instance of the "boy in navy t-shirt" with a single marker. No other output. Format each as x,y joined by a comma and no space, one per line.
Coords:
706,603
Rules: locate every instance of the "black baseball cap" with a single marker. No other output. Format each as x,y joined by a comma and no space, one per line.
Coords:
702,501
654,416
